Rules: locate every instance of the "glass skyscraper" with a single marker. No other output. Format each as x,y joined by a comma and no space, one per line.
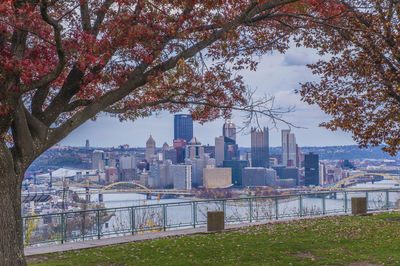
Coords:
183,127
259,148
311,167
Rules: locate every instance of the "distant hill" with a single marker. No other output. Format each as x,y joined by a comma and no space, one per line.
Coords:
350,152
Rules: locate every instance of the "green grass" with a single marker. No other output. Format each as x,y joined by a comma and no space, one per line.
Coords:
338,241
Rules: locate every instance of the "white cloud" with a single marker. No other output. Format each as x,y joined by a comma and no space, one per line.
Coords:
277,74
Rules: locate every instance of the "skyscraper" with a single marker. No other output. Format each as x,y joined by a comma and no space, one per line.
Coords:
150,148
98,160
231,149
179,146
260,148
229,130
311,167
183,127
182,176
219,150
194,149
87,144
289,150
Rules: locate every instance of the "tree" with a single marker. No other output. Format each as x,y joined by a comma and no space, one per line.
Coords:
63,62
360,83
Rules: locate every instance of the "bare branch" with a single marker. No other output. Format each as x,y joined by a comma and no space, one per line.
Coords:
100,16
85,16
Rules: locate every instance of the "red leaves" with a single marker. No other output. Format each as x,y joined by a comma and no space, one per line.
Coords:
150,34
359,85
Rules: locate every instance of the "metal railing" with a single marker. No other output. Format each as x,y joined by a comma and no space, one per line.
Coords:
95,224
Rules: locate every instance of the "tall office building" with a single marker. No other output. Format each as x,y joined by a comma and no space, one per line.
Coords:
237,168
260,148
87,144
98,160
179,146
289,150
311,168
150,148
231,149
182,176
170,154
183,127
229,130
194,149
219,150
127,162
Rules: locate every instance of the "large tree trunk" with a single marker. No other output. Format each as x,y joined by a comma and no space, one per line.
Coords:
11,240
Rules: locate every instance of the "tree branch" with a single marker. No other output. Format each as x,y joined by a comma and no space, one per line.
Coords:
100,16
139,77
85,16
75,104
23,141
38,100
70,87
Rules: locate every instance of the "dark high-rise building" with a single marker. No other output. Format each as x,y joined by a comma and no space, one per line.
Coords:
311,167
286,173
183,127
237,169
231,149
259,148
87,144
179,146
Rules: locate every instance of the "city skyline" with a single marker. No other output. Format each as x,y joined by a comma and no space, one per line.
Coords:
277,75
166,136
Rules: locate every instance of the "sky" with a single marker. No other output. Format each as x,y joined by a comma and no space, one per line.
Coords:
277,75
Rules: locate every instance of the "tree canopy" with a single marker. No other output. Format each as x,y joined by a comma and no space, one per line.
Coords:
63,62
360,83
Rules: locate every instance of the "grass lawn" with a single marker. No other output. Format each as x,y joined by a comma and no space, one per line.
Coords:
339,241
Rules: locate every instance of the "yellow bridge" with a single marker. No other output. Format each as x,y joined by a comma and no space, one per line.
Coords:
123,187
339,184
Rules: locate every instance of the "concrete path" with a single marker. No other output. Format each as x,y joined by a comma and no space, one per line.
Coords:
69,246
51,248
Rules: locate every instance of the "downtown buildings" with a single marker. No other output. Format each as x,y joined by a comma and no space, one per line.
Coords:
169,166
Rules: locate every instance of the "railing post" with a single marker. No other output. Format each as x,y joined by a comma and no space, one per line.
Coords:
251,210
132,220
366,198
194,213
224,208
98,224
301,205
276,209
387,199
62,228
323,204
83,228
164,217
345,201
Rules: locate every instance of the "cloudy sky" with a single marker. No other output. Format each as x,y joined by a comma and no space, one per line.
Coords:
278,75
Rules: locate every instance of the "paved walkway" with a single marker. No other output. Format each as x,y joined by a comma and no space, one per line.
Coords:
51,248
